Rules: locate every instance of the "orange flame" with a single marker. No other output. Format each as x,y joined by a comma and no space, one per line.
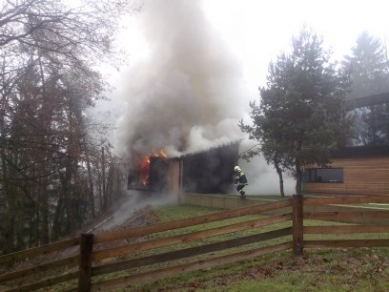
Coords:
144,166
144,171
160,153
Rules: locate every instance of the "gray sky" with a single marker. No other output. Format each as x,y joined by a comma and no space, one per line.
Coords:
195,65
257,31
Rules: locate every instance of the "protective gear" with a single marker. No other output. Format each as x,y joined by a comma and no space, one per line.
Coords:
240,181
242,194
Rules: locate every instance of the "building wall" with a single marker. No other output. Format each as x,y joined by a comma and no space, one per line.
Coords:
210,172
369,175
174,175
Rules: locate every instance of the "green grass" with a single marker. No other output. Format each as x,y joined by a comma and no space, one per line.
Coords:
336,270
329,270
318,270
169,213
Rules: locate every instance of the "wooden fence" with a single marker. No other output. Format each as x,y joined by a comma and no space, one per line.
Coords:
107,261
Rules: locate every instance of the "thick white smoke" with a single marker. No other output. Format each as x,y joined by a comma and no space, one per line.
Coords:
263,179
188,94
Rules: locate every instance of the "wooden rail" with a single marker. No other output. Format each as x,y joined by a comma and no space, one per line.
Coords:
97,262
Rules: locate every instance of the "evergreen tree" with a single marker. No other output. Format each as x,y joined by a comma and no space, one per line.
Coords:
301,116
369,72
368,67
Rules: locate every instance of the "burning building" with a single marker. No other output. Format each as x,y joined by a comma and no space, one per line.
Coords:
184,97
208,171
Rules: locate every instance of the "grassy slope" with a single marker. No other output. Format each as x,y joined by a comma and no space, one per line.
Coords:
319,270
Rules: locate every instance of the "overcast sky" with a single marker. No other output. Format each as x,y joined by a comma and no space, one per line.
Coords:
165,47
257,31
251,33
260,30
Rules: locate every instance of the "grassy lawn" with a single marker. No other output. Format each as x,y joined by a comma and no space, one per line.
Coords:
318,270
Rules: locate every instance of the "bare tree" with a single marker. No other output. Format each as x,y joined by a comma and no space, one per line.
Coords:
48,58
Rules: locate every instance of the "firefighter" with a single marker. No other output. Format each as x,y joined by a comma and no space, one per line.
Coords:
240,181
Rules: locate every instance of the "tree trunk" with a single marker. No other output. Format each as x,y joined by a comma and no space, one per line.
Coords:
56,230
90,181
281,179
103,178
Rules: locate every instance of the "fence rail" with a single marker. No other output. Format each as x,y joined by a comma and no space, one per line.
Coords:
110,260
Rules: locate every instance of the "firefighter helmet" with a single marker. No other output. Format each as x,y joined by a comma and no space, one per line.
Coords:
237,168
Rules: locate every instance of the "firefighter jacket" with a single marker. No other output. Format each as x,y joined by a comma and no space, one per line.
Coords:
240,177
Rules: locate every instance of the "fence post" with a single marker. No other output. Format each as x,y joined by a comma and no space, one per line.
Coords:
85,267
297,209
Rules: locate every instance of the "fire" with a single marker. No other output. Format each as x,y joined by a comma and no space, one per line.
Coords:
145,167
144,171
160,153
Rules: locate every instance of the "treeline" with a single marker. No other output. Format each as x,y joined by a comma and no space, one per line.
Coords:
54,175
57,170
302,113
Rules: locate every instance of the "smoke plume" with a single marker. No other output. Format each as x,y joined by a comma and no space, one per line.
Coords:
187,94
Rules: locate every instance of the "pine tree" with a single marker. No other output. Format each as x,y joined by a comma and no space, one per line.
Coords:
301,116
369,72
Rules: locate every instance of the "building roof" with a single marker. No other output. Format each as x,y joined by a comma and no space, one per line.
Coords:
369,100
361,151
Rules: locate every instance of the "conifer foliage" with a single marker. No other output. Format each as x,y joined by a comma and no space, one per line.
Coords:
368,67
302,114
